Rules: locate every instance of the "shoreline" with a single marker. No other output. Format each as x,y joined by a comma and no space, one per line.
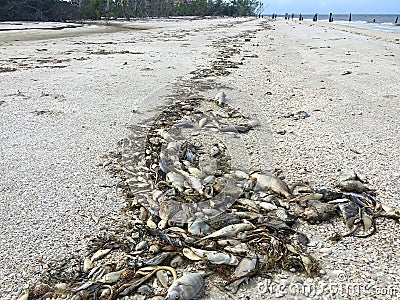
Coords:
283,70
387,36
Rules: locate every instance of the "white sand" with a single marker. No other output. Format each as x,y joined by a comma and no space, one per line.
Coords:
354,123
50,182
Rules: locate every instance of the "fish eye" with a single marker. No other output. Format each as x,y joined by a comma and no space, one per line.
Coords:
176,297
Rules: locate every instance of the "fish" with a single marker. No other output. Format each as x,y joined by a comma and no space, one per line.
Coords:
229,231
215,257
271,182
187,287
100,254
245,269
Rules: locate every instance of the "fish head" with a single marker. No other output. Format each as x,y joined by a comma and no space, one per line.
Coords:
174,293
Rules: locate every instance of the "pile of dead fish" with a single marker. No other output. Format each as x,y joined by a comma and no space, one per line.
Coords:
195,218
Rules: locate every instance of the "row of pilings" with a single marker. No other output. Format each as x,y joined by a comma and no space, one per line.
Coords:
315,17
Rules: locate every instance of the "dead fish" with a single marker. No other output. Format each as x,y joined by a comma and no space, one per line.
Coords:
87,265
85,286
235,128
189,286
214,257
220,258
199,228
271,182
248,203
245,269
111,277
156,260
353,186
229,230
165,135
241,249
267,206
318,211
306,197
100,254
141,246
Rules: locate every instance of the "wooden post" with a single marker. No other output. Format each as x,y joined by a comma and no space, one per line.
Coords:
350,18
397,18
300,17
330,17
292,16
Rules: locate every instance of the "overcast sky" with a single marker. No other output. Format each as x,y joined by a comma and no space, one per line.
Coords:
334,6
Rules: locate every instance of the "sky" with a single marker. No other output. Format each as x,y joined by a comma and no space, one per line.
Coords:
334,6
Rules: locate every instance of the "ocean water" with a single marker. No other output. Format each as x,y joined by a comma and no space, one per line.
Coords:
384,23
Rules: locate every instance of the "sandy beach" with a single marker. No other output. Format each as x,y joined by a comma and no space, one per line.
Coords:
68,97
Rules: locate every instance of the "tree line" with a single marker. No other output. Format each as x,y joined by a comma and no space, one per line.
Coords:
57,10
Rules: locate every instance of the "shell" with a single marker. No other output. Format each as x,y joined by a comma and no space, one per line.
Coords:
189,254
163,278
203,122
24,296
154,249
214,151
253,123
220,98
